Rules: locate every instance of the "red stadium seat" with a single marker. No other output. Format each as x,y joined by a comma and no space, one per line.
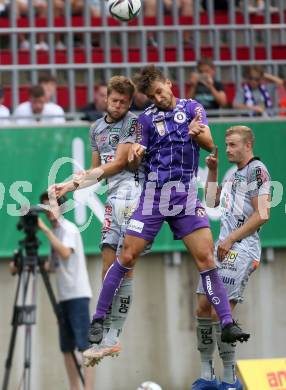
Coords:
220,17
229,89
134,55
63,96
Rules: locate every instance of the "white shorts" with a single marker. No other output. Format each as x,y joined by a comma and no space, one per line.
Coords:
235,270
119,207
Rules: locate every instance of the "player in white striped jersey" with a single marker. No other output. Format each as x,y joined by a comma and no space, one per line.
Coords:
244,200
111,138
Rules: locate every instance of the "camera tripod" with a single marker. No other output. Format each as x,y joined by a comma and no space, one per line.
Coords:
28,264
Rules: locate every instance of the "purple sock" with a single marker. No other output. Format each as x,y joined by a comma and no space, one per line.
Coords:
217,295
111,283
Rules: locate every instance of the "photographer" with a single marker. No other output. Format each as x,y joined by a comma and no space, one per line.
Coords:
68,260
204,88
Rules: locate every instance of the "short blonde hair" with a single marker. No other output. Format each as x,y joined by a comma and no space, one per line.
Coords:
245,132
121,84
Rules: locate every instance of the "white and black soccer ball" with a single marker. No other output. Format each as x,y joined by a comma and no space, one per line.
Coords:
124,10
149,386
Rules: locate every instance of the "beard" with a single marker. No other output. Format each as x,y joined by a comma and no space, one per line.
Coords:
116,117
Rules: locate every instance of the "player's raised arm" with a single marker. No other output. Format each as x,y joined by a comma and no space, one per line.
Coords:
92,176
212,189
201,133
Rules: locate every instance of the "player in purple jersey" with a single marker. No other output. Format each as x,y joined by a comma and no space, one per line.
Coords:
171,134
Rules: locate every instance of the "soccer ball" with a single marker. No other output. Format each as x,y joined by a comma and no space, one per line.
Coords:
149,386
124,10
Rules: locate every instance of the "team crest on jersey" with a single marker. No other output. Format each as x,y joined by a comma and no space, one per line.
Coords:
113,139
180,117
160,126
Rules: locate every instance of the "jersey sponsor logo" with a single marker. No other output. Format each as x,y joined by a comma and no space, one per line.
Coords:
262,177
108,210
131,127
108,158
225,201
129,211
138,132
136,226
160,126
258,174
231,256
180,117
228,280
206,336
240,221
106,227
101,138
124,304
209,285
115,130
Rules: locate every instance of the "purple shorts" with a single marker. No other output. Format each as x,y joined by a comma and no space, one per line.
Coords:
183,213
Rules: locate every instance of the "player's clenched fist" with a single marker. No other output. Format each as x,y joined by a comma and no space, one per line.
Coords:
135,152
196,127
212,159
61,189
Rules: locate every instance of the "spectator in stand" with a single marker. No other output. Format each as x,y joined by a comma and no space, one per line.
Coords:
78,7
258,94
49,83
37,110
259,7
185,9
4,111
140,102
205,88
96,109
4,8
41,11
282,99
219,5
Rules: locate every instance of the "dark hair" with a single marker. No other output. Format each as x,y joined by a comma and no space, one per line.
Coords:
253,68
122,85
36,91
147,76
47,78
45,196
206,61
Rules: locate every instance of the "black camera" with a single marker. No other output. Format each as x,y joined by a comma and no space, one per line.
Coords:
29,221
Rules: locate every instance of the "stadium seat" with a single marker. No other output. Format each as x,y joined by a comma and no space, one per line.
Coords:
220,17
81,94
278,52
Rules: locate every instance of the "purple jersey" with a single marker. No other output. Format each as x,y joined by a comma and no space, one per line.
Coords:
171,154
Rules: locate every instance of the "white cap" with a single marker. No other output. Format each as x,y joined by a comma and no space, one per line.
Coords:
149,386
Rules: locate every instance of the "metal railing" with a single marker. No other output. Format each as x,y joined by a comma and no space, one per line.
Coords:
230,35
